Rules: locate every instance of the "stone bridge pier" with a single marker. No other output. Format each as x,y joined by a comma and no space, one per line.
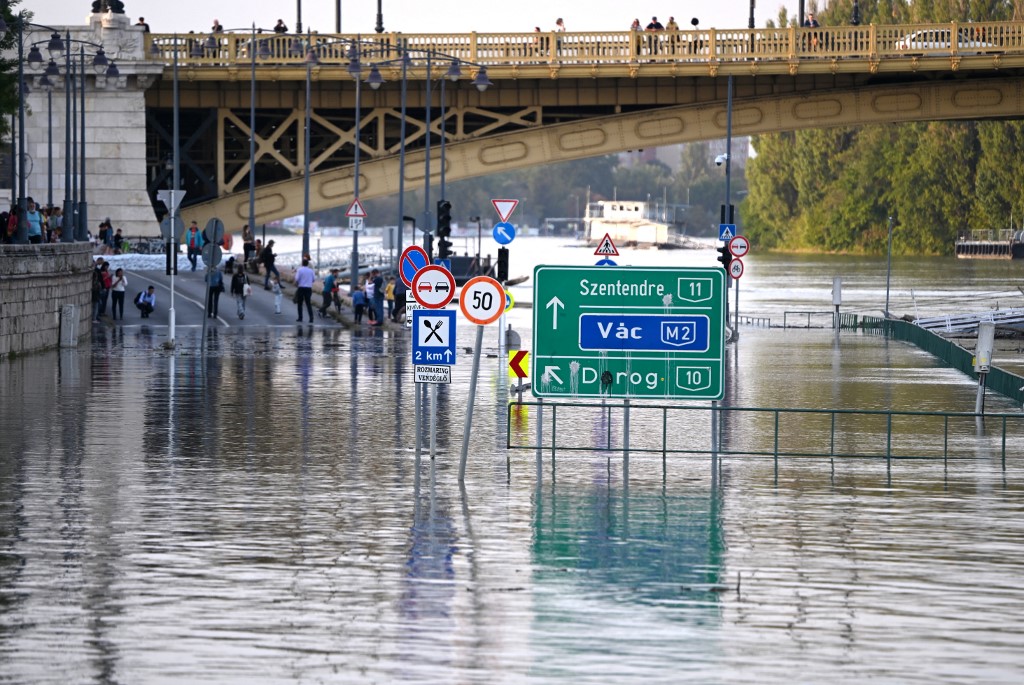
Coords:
115,125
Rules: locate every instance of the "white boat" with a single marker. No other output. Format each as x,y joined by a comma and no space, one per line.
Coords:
635,223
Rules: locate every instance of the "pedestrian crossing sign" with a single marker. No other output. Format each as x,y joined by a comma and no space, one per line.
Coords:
606,248
726,232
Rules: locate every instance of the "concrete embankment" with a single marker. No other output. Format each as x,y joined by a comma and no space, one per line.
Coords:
44,289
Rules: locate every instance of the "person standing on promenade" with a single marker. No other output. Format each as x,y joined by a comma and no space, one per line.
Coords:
389,296
194,243
304,277
248,245
275,287
358,304
240,289
401,293
117,294
268,257
101,278
35,223
215,286
378,297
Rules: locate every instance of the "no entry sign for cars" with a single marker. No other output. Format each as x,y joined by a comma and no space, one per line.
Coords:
434,287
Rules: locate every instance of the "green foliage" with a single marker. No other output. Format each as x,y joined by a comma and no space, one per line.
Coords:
9,66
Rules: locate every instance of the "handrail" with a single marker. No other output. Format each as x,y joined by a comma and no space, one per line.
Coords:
1010,426
711,46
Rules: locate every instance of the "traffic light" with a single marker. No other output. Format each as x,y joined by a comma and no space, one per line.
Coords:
724,256
502,264
444,228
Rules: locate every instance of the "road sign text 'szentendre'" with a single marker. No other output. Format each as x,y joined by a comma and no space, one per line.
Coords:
644,332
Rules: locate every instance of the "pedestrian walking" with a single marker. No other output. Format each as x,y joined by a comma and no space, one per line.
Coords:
240,289
214,287
194,243
268,257
304,277
117,294
329,294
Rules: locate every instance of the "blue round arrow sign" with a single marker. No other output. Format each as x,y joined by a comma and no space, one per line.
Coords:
504,232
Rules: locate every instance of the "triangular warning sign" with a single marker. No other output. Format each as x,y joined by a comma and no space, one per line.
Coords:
606,247
504,208
356,210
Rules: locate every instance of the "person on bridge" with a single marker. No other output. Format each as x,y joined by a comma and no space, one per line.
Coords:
194,243
147,302
142,22
240,289
216,28
268,257
280,26
304,277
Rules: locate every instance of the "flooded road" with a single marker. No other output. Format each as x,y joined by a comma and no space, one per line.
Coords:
260,515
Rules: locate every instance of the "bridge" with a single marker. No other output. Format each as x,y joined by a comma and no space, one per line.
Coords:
553,97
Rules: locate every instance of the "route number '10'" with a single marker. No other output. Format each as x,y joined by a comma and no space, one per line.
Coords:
693,378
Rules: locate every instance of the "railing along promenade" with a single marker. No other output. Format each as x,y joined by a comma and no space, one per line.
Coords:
708,48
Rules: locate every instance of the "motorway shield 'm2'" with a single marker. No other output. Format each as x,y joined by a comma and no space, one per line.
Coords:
647,333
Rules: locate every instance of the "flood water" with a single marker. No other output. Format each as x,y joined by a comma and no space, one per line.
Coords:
259,514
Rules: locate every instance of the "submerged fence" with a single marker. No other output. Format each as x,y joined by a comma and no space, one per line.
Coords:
665,430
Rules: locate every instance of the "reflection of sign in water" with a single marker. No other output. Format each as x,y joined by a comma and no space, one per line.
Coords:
646,547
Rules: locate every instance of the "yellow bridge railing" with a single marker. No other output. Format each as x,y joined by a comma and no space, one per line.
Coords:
712,46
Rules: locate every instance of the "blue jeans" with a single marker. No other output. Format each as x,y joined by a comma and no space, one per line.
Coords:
270,270
378,307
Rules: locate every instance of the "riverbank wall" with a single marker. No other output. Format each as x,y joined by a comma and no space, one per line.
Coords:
37,285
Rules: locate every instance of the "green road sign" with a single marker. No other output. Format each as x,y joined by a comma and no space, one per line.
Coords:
639,332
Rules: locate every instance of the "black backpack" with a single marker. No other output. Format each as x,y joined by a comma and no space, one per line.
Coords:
138,298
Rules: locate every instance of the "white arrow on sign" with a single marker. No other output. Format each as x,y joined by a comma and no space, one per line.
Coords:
503,232
554,303
549,374
448,355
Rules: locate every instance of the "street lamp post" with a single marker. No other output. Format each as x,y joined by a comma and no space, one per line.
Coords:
355,69
310,61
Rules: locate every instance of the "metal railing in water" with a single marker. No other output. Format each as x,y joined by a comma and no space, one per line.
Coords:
767,432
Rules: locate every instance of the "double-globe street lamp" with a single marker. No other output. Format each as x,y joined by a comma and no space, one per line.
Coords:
56,47
453,73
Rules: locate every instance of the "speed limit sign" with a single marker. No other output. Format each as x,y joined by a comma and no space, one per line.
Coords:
482,300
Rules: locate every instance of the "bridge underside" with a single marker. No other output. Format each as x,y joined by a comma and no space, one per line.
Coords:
516,123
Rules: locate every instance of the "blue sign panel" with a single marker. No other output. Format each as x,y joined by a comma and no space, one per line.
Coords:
446,263
726,232
433,336
504,232
606,262
645,332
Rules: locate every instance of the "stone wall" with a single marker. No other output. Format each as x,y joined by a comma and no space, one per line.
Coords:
35,282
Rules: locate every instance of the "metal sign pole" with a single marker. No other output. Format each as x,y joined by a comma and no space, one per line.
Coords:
433,421
625,435
472,397
419,428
